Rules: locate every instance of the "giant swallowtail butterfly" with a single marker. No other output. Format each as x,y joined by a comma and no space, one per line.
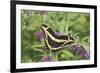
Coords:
54,42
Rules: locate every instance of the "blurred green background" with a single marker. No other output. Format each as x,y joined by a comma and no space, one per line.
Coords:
32,47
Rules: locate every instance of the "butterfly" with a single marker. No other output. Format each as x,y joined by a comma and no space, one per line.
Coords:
54,42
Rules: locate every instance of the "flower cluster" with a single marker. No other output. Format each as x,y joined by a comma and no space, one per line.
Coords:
80,50
40,35
46,59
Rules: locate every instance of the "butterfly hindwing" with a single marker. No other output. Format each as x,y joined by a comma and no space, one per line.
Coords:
53,43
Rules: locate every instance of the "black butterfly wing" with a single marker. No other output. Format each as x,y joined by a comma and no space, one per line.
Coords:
65,37
54,42
62,37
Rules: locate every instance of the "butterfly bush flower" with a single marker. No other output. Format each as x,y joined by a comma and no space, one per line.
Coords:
46,59
40,35
58,33
80,50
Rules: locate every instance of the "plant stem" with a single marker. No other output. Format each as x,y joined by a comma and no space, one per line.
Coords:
37,46
68,21
56,57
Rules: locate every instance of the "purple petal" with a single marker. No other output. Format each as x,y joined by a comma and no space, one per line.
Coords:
46,59
80,50
40,35
58,33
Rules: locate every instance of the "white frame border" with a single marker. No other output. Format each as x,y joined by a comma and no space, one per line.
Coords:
20,65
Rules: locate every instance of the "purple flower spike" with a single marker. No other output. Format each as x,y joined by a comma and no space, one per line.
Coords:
40,35
46,59
58,33
80,50
87,55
